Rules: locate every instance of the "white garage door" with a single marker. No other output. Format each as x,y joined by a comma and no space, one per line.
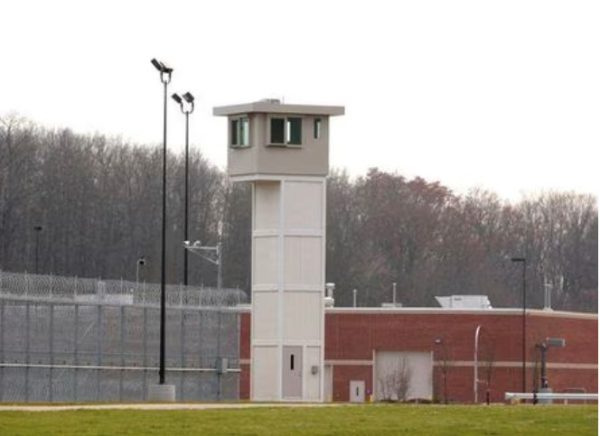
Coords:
403,375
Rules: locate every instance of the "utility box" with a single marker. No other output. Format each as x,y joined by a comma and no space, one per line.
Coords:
283,150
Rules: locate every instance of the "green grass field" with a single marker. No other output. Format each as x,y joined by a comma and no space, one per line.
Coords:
368,420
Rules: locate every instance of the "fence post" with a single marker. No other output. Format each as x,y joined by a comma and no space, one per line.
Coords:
182,350
50,373
2,330
219,376
27,349
145,351
76,351
122,352
98,349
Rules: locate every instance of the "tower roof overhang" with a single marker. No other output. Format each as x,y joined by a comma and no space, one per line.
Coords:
275,107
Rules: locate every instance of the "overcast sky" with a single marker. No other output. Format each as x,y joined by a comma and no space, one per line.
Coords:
504,95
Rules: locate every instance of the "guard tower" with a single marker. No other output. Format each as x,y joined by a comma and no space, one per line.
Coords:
283,150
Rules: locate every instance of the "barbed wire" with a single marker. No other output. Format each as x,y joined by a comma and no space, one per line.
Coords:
119,292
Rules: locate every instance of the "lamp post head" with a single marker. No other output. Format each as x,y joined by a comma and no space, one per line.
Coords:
517,259
160,66
38,228
177,98
188,97
165,71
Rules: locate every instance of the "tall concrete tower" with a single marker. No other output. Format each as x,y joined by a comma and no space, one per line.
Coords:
283,150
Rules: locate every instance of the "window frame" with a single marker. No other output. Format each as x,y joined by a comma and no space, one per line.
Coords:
286,130
236,138
317,128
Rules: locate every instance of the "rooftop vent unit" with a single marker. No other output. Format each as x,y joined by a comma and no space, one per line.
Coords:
271,100
464,302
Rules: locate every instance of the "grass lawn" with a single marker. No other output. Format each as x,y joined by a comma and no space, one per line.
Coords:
365,419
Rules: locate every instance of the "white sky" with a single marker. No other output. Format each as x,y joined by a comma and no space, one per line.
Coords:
499,94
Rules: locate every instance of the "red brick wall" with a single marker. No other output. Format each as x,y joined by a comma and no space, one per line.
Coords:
352,336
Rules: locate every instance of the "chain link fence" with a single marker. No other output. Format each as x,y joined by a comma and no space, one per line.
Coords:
67,339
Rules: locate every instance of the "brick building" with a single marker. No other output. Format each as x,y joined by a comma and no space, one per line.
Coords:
430,351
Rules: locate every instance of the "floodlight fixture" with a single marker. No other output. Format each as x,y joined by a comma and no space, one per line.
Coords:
160,66
177,98
188,97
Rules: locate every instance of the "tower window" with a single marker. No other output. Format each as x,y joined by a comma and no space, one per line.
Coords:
285,131
294,131
277,130
317,128
240,132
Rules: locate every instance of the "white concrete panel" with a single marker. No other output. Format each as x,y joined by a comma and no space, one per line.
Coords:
328,380
303,205
312,381
266,205
265,373
264,315
392,367
303,261
265,261
302,315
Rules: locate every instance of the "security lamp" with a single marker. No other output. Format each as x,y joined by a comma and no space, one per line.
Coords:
177,98
161,66
188,97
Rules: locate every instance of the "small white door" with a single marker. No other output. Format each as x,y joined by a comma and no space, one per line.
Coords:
357,391
292,372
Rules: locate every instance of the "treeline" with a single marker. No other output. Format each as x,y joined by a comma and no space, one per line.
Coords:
383,228
98,201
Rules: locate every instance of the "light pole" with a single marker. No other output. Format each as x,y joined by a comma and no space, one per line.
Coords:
186,110
37,229
165,78
442,344
476,364
138,265
523,261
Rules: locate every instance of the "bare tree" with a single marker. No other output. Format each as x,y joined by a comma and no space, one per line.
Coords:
394,384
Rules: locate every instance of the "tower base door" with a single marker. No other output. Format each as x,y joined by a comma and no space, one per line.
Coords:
292,372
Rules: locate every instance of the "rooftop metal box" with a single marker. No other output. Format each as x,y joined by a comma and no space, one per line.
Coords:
268,138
